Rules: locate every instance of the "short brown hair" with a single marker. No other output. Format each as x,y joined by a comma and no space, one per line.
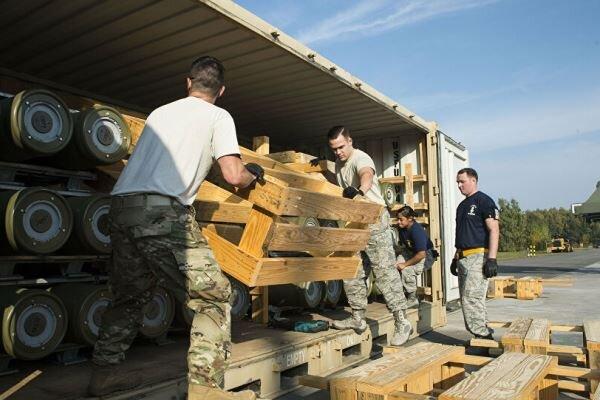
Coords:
407,212
470,172
337,131
207,75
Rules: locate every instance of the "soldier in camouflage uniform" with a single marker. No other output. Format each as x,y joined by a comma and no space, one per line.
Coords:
355,172
416,254
477,237
157,241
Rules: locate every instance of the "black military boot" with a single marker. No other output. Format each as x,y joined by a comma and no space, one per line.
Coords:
112,378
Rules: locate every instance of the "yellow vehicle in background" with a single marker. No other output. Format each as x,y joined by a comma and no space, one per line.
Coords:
559,245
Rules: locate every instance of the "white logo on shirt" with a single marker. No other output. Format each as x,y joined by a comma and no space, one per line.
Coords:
472,210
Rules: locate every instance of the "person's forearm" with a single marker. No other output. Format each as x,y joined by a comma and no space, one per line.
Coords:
493,243
366,181
415,259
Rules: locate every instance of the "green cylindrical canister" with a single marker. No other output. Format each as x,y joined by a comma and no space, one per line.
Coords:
91,231
34,322
333,292
34,220
85,303
100,137
34,123
333,289
158,314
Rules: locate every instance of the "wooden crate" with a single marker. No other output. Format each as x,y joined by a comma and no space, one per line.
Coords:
260,212
429,370
524,288
534,336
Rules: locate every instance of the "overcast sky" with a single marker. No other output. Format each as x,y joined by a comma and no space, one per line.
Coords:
516,81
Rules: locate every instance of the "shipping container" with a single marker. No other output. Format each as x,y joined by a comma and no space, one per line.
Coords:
134,56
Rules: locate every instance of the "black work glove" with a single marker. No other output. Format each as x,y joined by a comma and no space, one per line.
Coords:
490,268
315,161
350,192
454,267
257,171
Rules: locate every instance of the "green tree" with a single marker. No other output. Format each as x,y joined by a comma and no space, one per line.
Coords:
513,232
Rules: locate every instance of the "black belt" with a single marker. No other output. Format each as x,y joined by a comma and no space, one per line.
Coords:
144,200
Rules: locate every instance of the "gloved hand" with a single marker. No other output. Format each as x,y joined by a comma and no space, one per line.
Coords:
490,268
257,171
315,161
350,192
454,267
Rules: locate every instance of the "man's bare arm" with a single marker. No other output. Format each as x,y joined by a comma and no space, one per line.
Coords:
493,228
234,172
366,175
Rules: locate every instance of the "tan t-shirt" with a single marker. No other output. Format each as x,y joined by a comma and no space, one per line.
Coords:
346,173
177,148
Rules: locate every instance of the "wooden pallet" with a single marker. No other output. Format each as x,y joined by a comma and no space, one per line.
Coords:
524,288
534,336
425,370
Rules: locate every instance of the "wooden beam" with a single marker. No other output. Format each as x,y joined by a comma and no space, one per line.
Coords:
575,372
477,361
257,234
302,238
314,381
400,180
301,180
591,334
231,259
565,349
409,195
276,271
290,156
566,328
572,386
216,204
281,200
308,167
398,395
484,343
512,341
229,232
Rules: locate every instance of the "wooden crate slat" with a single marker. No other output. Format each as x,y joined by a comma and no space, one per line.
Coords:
303,238
216,204
343,385
300,180
398,180
513,339
473,387
288,201
276,271
257,233
591,332
231,259
537,339
232,233
403,372
291,156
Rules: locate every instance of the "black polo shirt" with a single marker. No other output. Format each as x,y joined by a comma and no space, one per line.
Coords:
415,238
470,220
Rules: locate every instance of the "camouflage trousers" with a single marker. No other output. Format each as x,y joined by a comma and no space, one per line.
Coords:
381,259
473,290
411,273
161,245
